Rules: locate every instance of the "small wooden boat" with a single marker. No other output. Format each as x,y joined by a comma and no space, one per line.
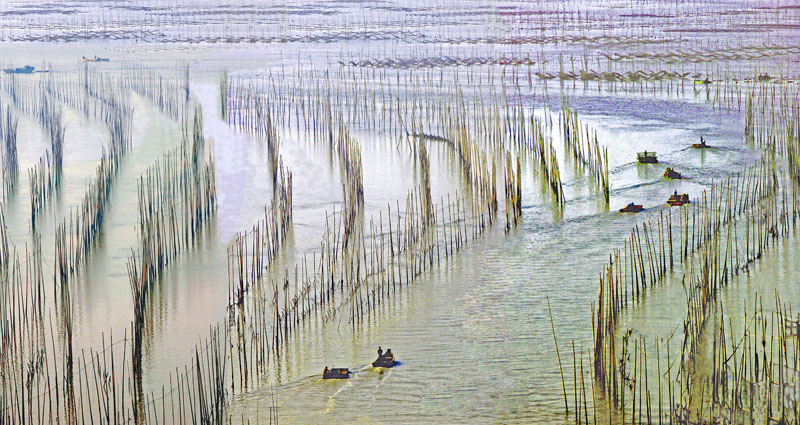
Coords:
385,360
672,174
631,208
336,373
677,200
95,59
647,157
701,145
25,70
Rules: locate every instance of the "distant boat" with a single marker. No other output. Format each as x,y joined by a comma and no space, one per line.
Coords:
672,174
25,70
631,208
336,373
95,59
701,145
677,200
647,157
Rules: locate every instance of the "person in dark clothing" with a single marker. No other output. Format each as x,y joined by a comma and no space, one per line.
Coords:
380,352
388,352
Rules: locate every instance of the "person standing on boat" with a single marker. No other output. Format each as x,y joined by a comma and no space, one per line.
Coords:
380,351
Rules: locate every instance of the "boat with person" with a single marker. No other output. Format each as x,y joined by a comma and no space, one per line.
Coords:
670,173
336,373
631,208
701,145
647,157
385,359
677,200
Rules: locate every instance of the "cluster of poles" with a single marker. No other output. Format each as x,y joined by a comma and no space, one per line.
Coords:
480,129
585,148
513,191
75,235
357,267
177,198
8,150
45,177
715,239
165,90
43,378
251,253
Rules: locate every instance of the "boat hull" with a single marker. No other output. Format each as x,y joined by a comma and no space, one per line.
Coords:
678,200
647,158
336,373
384,362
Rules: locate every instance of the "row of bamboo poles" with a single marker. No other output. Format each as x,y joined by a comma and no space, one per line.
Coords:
479,129
177,199
45,178
566,23
8,150
753,376
75,235
357,268
346,282
91,92
513,191
44,379
585,148
169,91
252,252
